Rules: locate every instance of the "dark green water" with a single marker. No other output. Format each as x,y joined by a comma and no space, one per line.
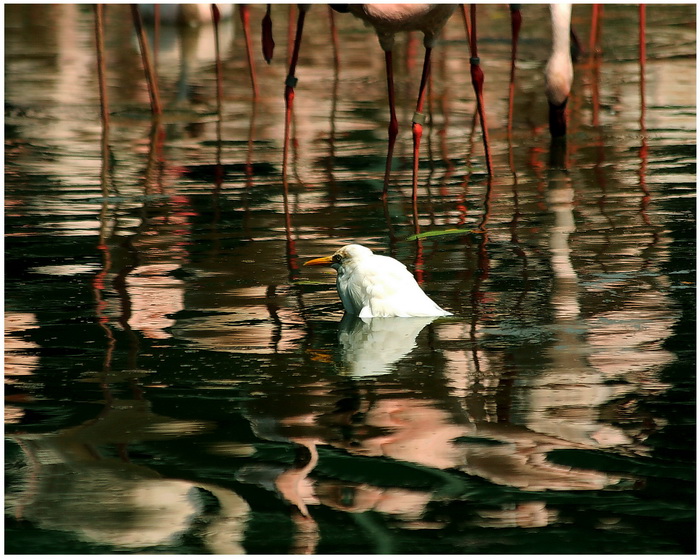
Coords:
176,382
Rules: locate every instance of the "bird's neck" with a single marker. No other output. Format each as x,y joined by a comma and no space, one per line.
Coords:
561,27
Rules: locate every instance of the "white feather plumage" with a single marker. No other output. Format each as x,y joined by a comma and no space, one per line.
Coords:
371,285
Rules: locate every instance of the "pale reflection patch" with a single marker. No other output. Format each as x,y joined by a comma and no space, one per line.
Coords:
252,320
80,480
65,269
155,298
19,360
370,346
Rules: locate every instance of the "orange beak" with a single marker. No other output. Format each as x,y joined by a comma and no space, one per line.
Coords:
325,261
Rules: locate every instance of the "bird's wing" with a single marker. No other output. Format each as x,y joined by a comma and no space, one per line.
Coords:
389,289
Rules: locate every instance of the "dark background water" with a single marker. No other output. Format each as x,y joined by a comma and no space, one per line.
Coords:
176,382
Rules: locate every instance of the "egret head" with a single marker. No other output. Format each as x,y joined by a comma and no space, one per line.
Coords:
341,256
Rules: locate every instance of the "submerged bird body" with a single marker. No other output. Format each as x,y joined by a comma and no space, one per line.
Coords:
371,285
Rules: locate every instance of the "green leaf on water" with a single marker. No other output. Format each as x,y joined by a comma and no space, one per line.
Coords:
444,233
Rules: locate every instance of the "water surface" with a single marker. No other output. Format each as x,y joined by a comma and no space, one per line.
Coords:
175,380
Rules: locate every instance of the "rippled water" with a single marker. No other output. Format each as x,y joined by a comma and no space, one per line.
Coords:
176,382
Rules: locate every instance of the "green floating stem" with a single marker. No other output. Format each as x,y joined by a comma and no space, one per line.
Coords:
444,233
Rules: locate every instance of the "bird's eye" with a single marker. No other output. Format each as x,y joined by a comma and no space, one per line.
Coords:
336,258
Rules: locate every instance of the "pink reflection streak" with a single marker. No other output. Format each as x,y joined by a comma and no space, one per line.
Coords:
644,148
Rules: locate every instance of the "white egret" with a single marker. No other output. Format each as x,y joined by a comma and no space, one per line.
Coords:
371,285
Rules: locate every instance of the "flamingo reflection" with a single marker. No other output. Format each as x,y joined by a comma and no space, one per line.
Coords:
81,480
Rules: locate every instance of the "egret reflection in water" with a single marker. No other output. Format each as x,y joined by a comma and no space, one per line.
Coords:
370,346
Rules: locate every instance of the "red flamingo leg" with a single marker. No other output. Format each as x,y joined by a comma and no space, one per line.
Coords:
290,83
151,78
593,43
478,82
642,41
393,121
245,23
516,19
419,119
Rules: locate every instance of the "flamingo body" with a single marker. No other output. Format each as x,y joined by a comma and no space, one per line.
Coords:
389,19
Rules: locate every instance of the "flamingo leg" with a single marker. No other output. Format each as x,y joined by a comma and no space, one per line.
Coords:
642,41
290,83
218,169
334,37
101,65
245,23
594,39
516,19
216,18
478,81
151,78
419,119
393,121
104,104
